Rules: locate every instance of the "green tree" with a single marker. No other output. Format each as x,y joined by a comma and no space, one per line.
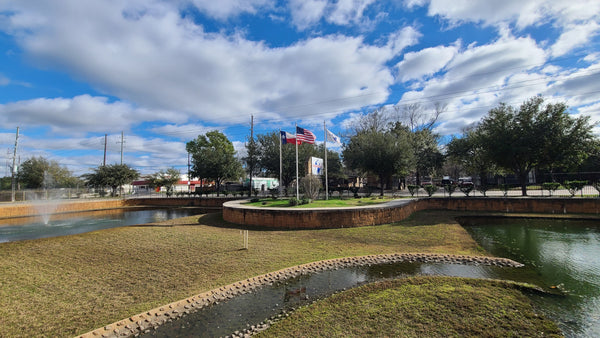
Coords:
381,152
251,160
470,153
6,183
38,172
165,178
534,137
113,176
213,158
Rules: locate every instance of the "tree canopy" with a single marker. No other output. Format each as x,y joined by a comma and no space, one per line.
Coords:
534,136
165,178
381,152
213,158
113,176
38,172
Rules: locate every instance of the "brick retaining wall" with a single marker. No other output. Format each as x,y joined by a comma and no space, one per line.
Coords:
286,218
66,206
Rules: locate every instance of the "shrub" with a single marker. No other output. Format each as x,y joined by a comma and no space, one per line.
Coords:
596,186
412,189
304,200
293,201
483,189
551,187
450,188
354,190
466,189
254,200
430,189
573,186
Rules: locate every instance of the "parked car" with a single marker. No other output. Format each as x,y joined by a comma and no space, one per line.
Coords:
426,181
447,180
465,181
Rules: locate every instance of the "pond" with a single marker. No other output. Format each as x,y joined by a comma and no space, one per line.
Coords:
24,228
561,254
264,303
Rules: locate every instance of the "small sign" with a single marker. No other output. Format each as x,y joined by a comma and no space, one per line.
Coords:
316,166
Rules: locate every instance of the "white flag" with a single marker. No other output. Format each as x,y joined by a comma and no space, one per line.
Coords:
331,137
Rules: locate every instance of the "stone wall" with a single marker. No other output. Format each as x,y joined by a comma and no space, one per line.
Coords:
8,210
315,218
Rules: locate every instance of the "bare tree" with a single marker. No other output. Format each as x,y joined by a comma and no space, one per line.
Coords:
416,118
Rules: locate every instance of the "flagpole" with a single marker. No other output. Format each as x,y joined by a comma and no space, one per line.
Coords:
280,166
325,143
297,180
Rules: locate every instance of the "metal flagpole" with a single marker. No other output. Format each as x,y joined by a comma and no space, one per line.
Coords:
326,180
297,181
280,166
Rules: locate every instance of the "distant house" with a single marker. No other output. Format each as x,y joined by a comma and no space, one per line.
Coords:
262,183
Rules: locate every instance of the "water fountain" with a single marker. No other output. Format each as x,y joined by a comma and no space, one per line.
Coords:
47,203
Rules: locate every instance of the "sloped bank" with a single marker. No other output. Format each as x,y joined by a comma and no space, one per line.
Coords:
397,210
152,319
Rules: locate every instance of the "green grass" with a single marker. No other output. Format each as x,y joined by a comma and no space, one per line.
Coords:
65,286
420,307
331,203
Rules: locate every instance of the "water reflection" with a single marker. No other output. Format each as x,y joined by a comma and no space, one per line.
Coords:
23,228
250,309
563,254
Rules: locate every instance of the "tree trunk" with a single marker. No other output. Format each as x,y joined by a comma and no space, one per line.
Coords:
381,183
523,182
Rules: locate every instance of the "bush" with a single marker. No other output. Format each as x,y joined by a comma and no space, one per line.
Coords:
293,202
551,187
483,189
430,189
274,193
596,186
305,200
466,189
450,188
254,200
573,186
354,190
412,189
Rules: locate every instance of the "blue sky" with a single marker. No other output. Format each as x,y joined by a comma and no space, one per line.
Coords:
164,71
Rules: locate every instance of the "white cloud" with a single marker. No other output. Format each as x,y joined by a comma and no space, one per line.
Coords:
427,61
574,36
404,37
348,11
4,81
161,61
79,115
306,12
184,132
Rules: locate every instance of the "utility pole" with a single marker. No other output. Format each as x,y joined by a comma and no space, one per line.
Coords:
104,162
14,169
189,178
251,156
122,141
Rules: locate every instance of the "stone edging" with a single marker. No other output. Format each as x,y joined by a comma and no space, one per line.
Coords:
144,322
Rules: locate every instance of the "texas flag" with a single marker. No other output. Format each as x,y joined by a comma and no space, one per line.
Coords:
288,138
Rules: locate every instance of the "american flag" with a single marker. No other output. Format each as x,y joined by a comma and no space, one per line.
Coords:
304,135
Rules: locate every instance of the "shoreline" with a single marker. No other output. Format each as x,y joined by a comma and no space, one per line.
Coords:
149,320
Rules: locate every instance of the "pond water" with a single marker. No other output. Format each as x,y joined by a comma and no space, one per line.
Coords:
561,254
23,228
238,313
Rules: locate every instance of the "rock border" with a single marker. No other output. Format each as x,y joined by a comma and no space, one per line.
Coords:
152,319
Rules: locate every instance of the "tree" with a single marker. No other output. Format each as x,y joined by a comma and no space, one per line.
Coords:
213,158
38,172
113,176
251,159
382,153
534,137
165,178
470,153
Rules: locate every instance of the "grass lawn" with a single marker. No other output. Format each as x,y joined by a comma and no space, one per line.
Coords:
331,203
69,285
420,307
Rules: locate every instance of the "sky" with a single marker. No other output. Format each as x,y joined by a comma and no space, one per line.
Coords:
161,72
